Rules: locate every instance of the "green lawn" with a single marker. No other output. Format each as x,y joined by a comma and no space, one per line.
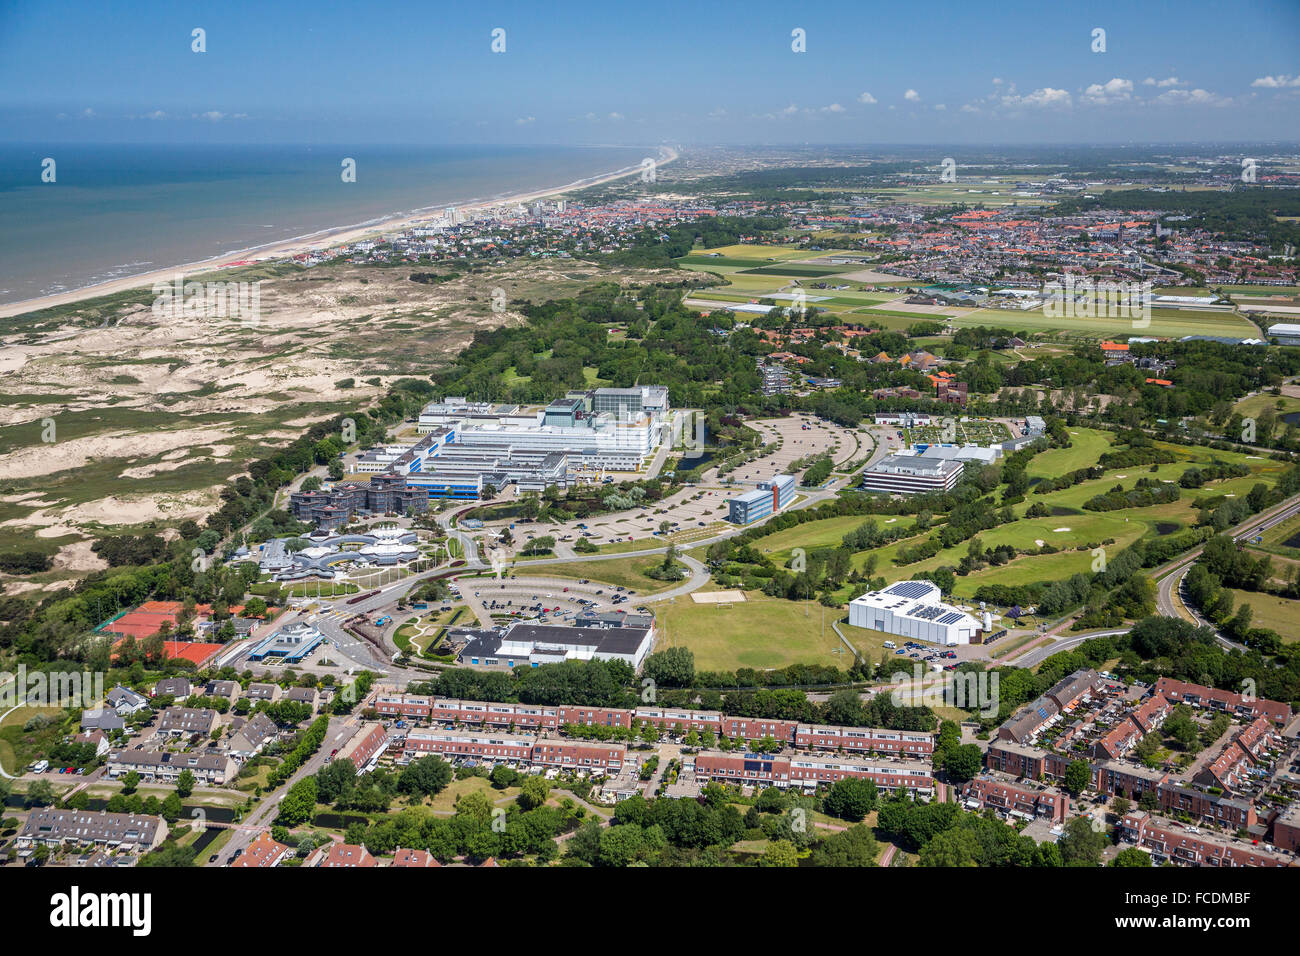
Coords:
760,632
1268,610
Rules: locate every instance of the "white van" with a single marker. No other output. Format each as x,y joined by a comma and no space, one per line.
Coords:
41,766
890,645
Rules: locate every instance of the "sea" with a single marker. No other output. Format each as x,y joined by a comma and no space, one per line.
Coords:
120,210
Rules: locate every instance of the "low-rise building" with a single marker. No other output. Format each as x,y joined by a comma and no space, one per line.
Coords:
123,831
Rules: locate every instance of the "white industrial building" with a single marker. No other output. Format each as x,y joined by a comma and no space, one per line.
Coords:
912,610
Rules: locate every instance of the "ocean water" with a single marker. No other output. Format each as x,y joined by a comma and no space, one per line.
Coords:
116,211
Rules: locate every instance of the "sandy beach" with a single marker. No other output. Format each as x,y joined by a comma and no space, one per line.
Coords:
316,241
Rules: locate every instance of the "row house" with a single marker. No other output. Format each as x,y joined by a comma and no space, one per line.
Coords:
1151,713
184,721
1190,847
758,728
1240,705
1229,769
1258,738
680,721
263,853
210,769
579,755
1227,811
452,743
1122,738
808,771
864,739
1009,798
365,747
567,754
595,716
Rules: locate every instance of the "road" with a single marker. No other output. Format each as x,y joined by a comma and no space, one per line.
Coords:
340,730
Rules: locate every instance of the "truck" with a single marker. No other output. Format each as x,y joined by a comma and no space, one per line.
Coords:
890,644
41,766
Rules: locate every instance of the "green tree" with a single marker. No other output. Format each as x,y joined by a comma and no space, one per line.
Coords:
780,853
534,792
185,783
1081,845
850,799
1131,856
130,782
298,804
1077,777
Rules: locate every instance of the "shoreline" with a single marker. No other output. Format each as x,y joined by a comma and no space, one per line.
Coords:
311,242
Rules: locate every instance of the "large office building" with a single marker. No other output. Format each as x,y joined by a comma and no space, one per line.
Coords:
771,495
912,475
912,609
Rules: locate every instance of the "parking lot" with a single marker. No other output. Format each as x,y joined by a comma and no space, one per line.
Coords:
555,599
699,511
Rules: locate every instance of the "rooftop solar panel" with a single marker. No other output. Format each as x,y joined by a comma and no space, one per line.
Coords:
950,618
909,589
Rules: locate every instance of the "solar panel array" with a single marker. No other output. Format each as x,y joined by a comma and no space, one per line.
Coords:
927,612
909,589
952,617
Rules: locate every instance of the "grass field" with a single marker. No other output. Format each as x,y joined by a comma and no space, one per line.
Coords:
1268,610
760,632
626,572
1164,322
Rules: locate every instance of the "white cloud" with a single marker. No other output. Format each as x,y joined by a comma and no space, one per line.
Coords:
1197,97
1112,91
212,116
156,115
997,81
1046,98
833,108
968,108
1281,81
1163,84
941,106
616,116
912,96
525,120
866,98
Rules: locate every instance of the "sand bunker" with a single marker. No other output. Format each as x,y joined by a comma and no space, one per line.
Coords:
717,597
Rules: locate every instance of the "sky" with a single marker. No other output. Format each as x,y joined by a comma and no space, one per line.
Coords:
640,73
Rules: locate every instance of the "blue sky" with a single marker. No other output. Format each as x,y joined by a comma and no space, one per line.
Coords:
643,73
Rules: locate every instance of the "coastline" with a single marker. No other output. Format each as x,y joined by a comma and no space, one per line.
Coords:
311,242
